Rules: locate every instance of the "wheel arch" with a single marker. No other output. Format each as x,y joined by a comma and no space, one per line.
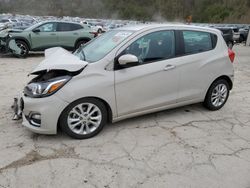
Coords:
23,40
224,77
227,78
82,39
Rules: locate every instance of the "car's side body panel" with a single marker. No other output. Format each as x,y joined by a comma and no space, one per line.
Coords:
145,87
43,40
97,83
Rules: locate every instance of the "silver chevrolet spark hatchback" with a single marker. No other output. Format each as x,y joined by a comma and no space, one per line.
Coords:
124,73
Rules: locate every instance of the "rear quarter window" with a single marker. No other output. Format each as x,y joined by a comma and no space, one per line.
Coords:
198,41
76,27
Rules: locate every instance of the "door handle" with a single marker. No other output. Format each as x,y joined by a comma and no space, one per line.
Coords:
169,67
52,34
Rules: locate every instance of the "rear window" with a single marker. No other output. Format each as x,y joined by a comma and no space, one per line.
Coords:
198,41
226,31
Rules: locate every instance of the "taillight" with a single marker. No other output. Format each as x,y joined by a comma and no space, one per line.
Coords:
231,55
94,33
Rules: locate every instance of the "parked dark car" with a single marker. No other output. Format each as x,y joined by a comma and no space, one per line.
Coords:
243,34
228,35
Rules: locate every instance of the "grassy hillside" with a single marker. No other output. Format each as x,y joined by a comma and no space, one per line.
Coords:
237,11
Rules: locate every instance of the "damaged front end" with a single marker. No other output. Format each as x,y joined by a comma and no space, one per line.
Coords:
4,39
56,70
7,43
44,84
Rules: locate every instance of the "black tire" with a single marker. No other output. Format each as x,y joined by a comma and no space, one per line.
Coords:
66,113
208,100
24,47
79,43
99,31
241,39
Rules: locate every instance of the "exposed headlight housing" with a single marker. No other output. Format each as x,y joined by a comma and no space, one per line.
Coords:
45,88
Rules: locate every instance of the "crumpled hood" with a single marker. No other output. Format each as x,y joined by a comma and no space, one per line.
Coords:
6,31
59,59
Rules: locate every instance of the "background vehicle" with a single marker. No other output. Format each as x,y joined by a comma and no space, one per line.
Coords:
243,34
95,26
4,23
125,73
236,34
49,34
228,35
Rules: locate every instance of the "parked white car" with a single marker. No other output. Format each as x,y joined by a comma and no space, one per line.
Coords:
124,73
95,26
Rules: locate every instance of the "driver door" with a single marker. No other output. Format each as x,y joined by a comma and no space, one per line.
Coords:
152,82
46,37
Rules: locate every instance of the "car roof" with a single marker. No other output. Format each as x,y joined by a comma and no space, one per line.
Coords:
143,27
59,21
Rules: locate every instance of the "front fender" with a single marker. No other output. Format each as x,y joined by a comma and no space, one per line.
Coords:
97,84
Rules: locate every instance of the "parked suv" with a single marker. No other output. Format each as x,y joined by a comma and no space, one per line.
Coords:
49,34
125,73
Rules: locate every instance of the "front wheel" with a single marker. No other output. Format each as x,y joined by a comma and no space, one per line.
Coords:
80,43
84,118
217,95
99,31
23,47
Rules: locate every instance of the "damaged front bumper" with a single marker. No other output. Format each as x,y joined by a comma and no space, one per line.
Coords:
4,45
38,115
17,107
8,45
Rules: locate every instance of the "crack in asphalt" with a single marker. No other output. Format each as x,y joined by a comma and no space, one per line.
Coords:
33,157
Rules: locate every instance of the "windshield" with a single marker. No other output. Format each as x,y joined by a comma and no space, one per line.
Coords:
4,21
33,26
101,46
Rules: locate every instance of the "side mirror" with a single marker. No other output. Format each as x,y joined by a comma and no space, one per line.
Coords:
36,30
127,59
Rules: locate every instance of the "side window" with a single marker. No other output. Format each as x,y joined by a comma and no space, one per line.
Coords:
76,27
196,42
64,27
155,46
48,27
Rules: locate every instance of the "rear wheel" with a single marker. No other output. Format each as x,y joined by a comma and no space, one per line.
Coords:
80,43
241,39
99,30
84,118
217,95
24,49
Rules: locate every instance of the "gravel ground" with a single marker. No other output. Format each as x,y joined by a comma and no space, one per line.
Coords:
183,147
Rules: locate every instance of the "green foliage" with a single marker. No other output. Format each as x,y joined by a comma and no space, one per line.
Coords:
201,10
215,13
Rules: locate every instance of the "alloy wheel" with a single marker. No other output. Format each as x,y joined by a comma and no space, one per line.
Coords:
84,118
219,95
23,48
